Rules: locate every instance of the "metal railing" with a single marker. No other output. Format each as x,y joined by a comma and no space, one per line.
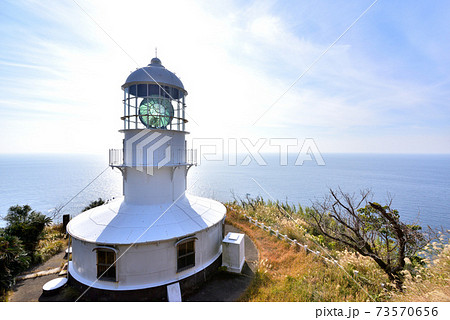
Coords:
295,243
284,237
177,157
134,121
115,157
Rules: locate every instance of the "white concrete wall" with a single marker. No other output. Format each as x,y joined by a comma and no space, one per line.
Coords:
140,146
164,186
82,259
145,265
144,183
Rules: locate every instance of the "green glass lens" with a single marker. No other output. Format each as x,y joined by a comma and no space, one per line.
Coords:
156,112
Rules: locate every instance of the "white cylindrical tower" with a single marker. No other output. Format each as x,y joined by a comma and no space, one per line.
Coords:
154,143
156,234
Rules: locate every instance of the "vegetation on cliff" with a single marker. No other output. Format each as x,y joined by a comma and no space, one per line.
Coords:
289,273
29,238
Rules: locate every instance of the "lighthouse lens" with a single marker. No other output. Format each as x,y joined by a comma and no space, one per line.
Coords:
156,112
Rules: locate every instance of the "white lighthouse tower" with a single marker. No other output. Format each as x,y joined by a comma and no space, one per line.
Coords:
156,235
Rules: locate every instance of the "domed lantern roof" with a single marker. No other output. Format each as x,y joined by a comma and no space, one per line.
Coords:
155,73
155,98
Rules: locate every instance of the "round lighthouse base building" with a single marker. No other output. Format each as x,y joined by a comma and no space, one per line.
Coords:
132,248
130,252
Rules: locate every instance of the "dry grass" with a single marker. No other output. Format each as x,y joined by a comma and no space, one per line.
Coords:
51,243
431,283
286,273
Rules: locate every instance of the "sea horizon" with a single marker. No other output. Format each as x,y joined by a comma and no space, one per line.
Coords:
419,183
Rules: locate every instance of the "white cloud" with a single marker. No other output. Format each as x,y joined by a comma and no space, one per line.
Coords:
235,61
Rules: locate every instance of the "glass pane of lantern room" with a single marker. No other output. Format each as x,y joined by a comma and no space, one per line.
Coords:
153,90
142,90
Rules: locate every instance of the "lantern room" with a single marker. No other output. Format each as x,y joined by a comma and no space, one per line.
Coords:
153,99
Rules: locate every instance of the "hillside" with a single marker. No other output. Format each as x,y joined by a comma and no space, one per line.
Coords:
323,271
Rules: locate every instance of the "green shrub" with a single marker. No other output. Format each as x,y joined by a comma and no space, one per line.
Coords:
13,260
27,225
94,203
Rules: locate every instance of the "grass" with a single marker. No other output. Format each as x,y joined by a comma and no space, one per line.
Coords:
288,273
52,242
429,283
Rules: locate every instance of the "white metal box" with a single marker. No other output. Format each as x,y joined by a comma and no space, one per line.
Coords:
233,256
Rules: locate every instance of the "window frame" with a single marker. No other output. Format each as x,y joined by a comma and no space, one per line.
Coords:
108,266
184,242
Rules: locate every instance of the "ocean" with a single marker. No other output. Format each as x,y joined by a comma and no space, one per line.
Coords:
418,184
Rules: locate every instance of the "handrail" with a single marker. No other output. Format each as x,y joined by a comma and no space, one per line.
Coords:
279,235
156,115
317,253
177,157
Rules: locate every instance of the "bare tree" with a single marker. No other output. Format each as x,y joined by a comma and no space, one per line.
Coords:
370,229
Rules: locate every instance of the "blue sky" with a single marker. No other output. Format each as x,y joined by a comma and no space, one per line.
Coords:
383,87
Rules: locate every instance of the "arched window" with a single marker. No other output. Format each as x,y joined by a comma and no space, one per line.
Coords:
185,253
106,263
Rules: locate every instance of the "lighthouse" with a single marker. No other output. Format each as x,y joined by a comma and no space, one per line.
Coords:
156,235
